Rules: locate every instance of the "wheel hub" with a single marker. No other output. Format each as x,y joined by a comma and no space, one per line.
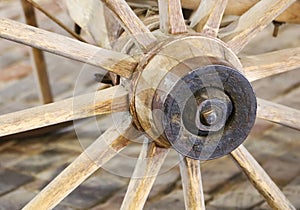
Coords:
190,94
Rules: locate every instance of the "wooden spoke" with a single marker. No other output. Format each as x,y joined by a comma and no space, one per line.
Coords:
109,60
290,15
105,101
55,20
277,113
101,151
240,32
268,64
171,17
131,23
38,58
192,184
208,16
260,179
148,165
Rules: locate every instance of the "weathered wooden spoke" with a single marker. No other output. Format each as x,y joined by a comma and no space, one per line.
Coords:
208,16
240,32
260,179
171,17
290,15
105,101
101,151
37,55
149,163
192,183
109,60
132,24
268,64
278,113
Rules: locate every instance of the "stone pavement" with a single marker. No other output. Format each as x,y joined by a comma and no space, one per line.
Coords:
28,164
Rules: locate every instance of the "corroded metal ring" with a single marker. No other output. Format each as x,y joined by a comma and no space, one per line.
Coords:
217,89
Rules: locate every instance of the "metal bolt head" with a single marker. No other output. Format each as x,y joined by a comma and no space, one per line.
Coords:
209,117
212,114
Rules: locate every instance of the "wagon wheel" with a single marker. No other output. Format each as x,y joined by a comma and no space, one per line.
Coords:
199,101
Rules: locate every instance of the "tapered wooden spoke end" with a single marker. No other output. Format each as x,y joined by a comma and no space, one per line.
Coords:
207,18
131,23
260,179
171,17
110,100
149,163
101,151
268,64
192,183
240,32
109,60
279,114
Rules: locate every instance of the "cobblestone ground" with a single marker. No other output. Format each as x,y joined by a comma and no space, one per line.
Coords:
28,164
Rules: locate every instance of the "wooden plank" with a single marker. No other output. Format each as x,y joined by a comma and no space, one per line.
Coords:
278,113
171,17
38,60
146,170
260,179
101,151
105,101
239,7
131,23
241,31
95,19
109,60
192,183
268,64
207,18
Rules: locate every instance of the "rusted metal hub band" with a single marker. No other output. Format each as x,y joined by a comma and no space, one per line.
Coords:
224,101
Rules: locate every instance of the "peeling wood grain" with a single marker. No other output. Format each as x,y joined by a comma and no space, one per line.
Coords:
278,113
240,32
171,17
192,183
146,170
260,179
106,101
97,154
132,24
268,64
109,60
207,18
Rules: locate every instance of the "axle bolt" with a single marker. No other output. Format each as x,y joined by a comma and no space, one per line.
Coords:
209,117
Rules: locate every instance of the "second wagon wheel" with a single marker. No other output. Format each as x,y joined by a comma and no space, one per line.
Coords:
189,91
